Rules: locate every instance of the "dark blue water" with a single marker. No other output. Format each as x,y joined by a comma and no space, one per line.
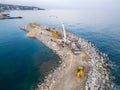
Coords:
24,61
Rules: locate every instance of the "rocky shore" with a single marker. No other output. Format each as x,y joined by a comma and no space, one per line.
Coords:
6,16
99,73
96,64
1,15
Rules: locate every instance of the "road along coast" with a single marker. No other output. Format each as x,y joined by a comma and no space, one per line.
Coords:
74,53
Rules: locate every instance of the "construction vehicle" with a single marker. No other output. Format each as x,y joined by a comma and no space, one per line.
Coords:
34,25
63,29
80,72
76,51
74,48
55,35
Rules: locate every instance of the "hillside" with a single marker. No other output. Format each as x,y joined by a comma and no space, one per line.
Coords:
17,7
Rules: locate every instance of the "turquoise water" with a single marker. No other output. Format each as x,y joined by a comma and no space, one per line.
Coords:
24,60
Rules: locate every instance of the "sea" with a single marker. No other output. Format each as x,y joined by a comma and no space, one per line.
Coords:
24,62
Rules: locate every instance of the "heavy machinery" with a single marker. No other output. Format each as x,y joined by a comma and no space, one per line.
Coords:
63,29
55,35
74,48
80,72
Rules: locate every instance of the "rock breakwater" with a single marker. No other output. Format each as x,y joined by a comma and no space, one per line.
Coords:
96,64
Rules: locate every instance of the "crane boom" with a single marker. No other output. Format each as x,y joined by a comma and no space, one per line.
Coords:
63,28
64,32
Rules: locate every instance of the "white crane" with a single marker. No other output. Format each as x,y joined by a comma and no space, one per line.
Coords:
63,29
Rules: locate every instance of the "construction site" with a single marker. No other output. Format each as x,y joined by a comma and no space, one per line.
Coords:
82,65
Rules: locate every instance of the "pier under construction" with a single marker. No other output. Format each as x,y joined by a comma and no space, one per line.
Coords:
82,66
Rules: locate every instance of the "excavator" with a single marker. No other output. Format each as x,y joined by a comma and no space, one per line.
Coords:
80,72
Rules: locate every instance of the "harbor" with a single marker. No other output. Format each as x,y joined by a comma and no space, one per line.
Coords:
74,52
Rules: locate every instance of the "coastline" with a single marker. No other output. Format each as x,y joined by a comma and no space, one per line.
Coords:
96,64
6,16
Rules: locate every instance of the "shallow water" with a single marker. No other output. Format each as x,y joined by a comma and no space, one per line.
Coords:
24,61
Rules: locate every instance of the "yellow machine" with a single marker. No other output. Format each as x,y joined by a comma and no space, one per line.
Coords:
34,25
80,72
55,35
